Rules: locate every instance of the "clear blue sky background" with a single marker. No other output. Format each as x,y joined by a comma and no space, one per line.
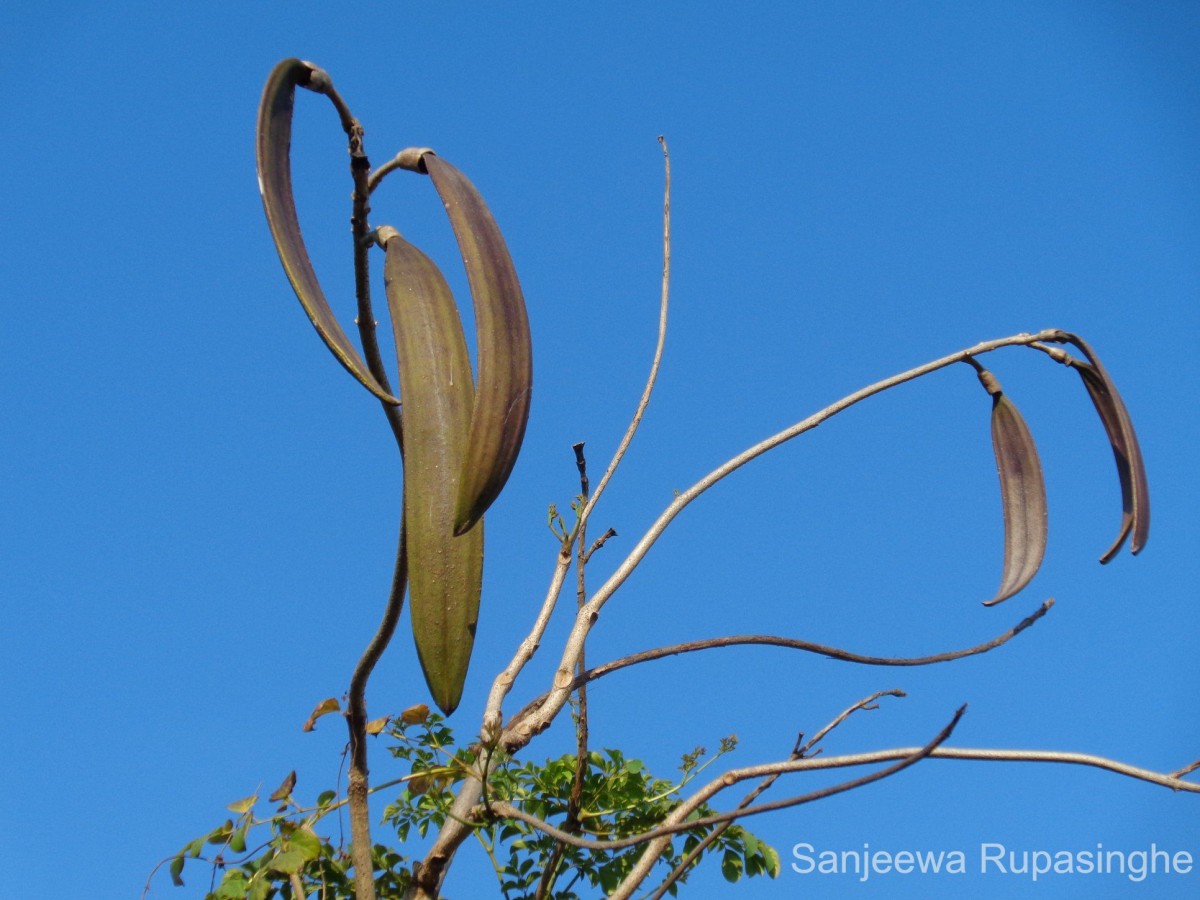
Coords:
199,504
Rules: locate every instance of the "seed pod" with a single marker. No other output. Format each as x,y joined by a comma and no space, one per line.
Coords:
445,571
1131,470
1022,492
274,142
505,380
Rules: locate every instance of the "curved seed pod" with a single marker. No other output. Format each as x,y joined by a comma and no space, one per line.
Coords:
1135,491
445,571
1022,492
505,354
274,142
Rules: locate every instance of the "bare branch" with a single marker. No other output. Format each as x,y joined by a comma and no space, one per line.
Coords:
792,644
504,681
867,703
599,542
800,752
1191,767
520,734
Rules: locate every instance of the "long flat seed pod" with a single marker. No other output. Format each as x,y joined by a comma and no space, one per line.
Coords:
274,142
1131,470
1022,492
445,571
505,353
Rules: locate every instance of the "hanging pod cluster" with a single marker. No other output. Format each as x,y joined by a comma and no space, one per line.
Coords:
461,437
1022,489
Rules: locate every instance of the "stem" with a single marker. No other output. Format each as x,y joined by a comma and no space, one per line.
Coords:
358,787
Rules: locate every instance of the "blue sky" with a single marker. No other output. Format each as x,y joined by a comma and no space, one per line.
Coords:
200,504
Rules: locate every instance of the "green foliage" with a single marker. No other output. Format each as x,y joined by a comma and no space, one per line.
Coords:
259,857
618,798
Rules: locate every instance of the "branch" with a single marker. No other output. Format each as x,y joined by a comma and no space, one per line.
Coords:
504,681
902,756
678,820
789,643
808,646
357,789
934,752
516,737
799,752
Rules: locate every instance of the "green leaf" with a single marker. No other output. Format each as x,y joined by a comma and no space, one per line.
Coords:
731,866
232,887
750,842
237,840
177,871
242,806
221,834
289,861
772,858
306,842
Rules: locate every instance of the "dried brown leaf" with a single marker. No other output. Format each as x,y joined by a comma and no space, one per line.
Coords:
415,714
284,790
323,708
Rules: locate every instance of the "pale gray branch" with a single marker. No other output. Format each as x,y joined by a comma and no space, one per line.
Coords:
799,752
520,734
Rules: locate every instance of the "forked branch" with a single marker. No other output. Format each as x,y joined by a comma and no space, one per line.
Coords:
522,731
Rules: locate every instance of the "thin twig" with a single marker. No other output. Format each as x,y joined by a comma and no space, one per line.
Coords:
1186,770
791,644
504,681
867,703
575,798
800,751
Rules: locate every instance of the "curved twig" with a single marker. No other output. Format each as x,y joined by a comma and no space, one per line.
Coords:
831,652
771,640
